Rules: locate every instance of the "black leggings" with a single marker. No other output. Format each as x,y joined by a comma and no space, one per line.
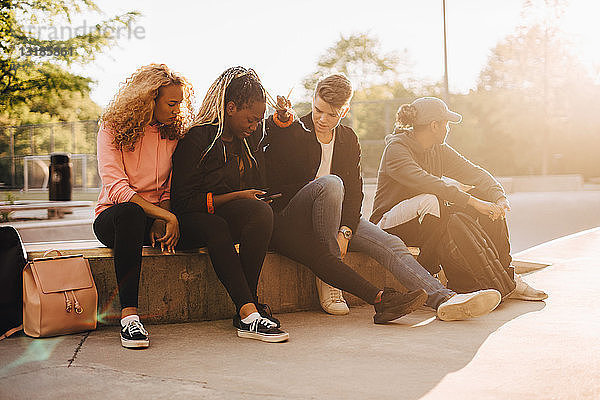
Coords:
245,221
304,247
125,228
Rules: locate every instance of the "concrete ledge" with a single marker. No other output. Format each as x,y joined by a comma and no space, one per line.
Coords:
541,183
184,287
70,229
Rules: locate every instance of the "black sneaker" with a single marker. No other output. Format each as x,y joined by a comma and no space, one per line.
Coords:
394,304
265,311
134,336
261,329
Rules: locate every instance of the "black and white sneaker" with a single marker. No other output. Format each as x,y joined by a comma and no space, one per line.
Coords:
134,336
265,311
261,329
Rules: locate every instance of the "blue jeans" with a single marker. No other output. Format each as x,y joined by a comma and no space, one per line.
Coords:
320,202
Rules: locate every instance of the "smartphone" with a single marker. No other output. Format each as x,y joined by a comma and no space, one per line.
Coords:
268,196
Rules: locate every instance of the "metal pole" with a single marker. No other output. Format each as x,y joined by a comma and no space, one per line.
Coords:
73,142
84,173
31,142
51,139
11,132
446,90
25,175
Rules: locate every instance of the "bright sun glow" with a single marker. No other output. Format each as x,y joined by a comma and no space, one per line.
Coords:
283,41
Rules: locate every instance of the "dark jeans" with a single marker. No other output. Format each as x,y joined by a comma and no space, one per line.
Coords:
247,222
125,228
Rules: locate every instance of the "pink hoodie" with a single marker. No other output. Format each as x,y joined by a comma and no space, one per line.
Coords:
145,171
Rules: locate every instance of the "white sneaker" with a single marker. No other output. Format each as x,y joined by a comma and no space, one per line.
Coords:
331,299
525,292
469,305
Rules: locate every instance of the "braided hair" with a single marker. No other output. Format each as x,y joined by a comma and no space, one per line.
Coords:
240,85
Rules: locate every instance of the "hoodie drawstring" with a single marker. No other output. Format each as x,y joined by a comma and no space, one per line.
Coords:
156,164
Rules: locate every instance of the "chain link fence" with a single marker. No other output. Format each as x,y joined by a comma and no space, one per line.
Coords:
25,153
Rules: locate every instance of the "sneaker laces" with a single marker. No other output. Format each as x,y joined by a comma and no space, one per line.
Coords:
254,325
134,327
335,295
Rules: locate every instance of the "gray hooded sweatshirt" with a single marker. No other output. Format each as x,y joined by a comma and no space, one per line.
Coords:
407,170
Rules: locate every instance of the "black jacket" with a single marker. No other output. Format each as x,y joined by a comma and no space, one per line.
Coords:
293,154
192,179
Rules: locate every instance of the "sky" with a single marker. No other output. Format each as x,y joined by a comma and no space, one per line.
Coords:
282,40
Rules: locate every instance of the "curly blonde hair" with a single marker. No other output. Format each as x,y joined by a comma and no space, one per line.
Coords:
132,107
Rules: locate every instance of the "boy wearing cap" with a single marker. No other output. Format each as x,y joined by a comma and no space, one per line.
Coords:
314,162
411,189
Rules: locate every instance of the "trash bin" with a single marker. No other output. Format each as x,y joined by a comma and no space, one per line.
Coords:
61,181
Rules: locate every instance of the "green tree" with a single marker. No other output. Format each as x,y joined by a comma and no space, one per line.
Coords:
359,56
23,77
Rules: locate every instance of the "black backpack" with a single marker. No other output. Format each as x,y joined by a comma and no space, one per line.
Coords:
12,261
470,258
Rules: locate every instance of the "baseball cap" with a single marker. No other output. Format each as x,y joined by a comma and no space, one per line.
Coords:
433,109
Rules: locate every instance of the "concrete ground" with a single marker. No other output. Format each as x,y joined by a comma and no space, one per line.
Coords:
523,350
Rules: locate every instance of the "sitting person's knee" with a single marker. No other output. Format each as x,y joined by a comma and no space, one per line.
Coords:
262,213
131,214
332,184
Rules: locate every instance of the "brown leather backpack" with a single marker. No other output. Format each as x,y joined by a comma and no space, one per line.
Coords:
59,296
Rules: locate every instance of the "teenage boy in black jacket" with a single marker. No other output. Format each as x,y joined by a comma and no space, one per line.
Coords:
315,163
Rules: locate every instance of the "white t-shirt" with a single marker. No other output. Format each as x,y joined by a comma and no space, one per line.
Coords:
326,157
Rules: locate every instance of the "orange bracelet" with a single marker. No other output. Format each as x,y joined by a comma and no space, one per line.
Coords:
209,203
283,124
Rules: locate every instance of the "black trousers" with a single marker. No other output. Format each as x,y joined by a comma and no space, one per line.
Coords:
245,221
125,228
302,245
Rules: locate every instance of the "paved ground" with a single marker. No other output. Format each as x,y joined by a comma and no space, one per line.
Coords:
523,350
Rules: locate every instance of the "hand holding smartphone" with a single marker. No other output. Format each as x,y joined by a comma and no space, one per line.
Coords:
268,196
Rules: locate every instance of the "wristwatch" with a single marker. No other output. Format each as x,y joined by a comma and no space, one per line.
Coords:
347,232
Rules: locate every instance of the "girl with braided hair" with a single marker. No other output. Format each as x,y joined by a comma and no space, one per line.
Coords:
138,134
216,184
